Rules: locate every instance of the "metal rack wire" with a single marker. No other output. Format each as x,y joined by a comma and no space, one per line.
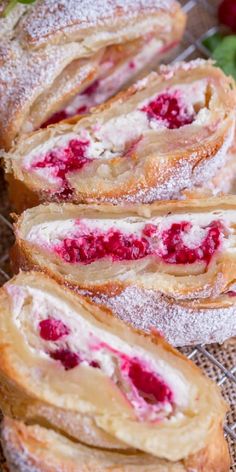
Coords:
218,362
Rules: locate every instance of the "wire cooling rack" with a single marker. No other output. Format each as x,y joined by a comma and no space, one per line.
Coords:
218,362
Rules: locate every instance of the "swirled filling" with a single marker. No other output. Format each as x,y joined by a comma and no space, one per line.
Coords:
56,332
171,245
119,137
180,242
145,383
145,389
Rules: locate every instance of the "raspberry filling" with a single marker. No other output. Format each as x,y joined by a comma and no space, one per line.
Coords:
91,89
55,118
149,386
62,161
93,246
64,114
168,108
68,359
177,252
52,329
231,293
144,386
171,245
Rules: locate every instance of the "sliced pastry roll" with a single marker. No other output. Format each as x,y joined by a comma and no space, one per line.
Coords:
26,447
72,367
168,133
60,58
167,265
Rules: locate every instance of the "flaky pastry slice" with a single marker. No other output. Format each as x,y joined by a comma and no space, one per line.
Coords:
168,265
26,447
59,58
68,365
168,133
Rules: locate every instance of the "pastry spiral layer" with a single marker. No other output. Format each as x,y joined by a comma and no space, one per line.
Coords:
70,366
169,133
45,450
60,58
169,265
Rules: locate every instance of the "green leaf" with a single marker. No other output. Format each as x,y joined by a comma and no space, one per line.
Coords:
26,2
12,3
225,55
211,42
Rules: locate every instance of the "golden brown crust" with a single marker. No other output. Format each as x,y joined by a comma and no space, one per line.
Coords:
48,21
43,450
20,196
214,457
223,183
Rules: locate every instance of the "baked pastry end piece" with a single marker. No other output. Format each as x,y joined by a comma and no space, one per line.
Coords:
37,449
59,58
63,360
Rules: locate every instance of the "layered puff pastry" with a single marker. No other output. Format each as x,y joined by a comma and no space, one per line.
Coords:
168,133
33,447
168,265
69,366
53,51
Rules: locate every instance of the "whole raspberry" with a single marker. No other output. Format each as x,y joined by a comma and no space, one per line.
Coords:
227,14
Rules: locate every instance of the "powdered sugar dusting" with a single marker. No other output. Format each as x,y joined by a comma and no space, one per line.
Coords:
49,17
8,22
17,455
69,30
180,324
24,76
169,71
182,177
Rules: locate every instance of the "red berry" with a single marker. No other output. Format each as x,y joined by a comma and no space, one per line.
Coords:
227,14
52,329
94,246
177,252
166,107
58,116
151,387
68,358
91,89
94,364
118,246
63,161
149,230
